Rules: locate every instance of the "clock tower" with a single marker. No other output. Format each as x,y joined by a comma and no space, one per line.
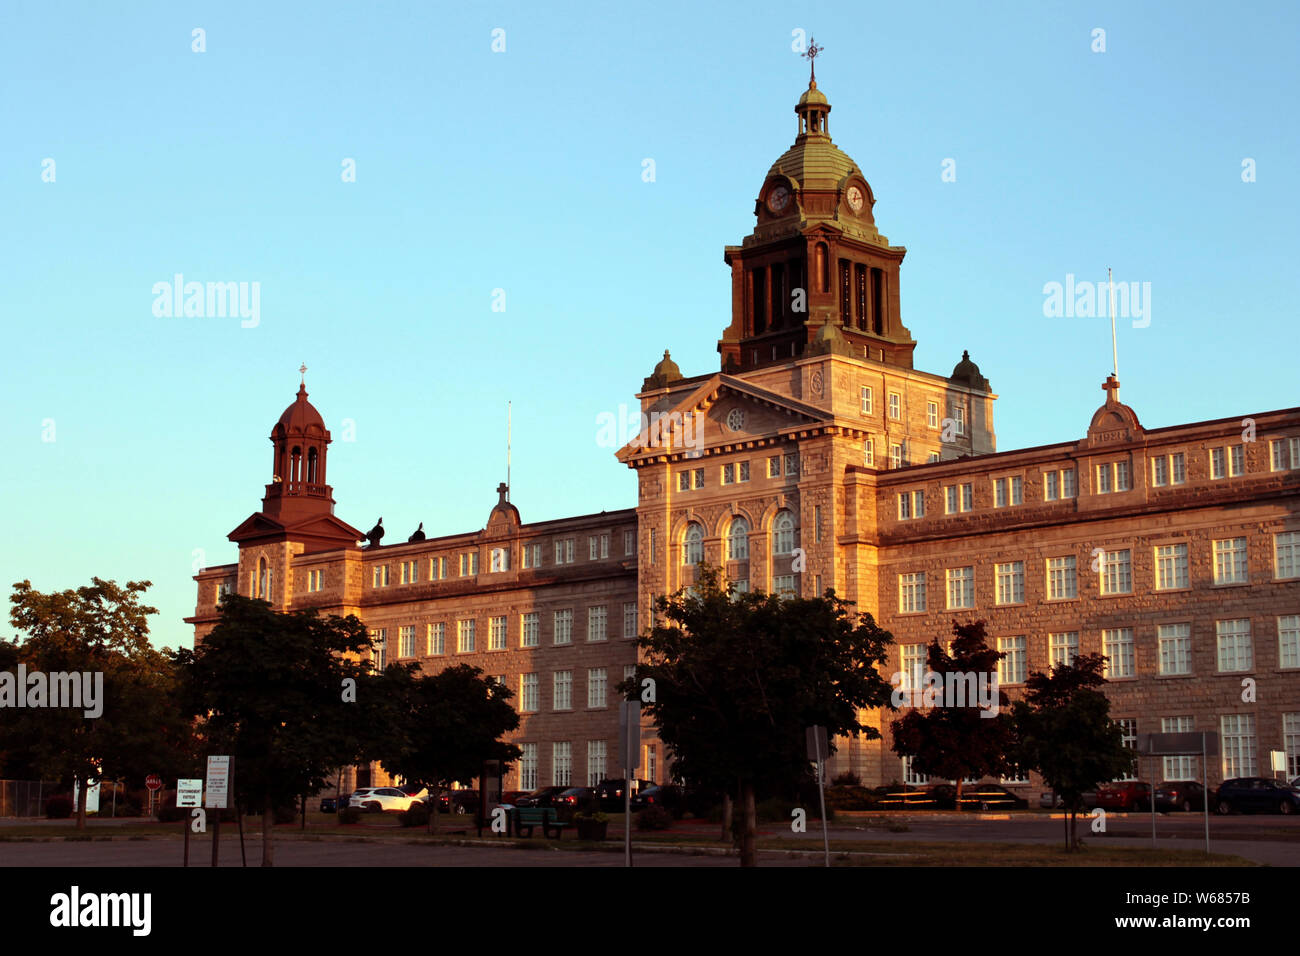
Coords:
815,275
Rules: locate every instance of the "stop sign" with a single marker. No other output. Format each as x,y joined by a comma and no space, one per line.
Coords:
153,782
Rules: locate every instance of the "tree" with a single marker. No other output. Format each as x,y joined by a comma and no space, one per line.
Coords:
454,721
951,736
738,677
99,630
271,690
1064,731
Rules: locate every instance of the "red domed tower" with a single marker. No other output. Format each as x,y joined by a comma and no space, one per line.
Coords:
298,505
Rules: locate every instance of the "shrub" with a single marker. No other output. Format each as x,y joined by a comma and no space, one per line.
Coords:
350,815
849,779
654,818
59,806
416,816
288,813
850,798
168,812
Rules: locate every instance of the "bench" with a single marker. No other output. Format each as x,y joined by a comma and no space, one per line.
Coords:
545,817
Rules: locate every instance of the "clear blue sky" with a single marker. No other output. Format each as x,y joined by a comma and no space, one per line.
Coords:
522,170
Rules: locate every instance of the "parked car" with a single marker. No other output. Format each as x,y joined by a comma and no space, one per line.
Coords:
458,801
667,795
1257,794
574,798
610,793
991,796
1050,800
329,804
1130,795
1185,795
378,799
541,797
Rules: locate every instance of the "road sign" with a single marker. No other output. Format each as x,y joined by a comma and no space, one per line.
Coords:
629,734
218,782
1182,744
189,792
818,746
153,782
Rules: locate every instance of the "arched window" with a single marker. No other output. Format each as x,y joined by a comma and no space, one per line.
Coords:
262,586
312,478
295,464
738,540
783,533
693,544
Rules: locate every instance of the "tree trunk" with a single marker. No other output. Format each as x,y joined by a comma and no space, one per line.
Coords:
268,825
81,803
304,812
749,832
957,804
726,818
1065,820
434,800
1074,832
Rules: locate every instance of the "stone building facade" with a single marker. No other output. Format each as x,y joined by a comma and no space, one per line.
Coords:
817,457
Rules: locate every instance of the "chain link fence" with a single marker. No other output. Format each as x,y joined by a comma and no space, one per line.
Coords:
25,798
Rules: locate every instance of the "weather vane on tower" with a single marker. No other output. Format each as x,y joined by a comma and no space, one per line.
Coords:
811,55
302,370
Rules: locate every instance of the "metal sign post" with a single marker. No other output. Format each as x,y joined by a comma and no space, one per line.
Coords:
189,793
818,751
629,753
1183,744
218,791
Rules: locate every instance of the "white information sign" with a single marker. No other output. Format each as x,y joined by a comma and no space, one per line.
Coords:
218,782
189,792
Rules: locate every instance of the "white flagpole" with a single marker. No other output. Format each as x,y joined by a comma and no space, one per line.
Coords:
1114,347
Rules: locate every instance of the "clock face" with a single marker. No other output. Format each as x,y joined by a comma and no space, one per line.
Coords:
736,419
855,198
778,199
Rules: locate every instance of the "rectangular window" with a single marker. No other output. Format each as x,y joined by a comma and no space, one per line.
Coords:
562,764
729,474
1062,581
629,543
1233,639
895,405
435,639
380,576
912,661
1051,486
683,481
1288,640
629,619
791,464
313,583
1103,479
869,453
1178,768
774,467
530,629
868,400
1277,458
1171,566
563,691
961,588
591,547
1237,461
1017,490
1009,580
1230,561
469,564
406,641
742,473
967,497
528,693
597,626
379,647
783,585
910,777
1286,554
999,493
407,572
1062,647
497,633
957,412
932,457
1291,744
950,500
532,556
595,762
904,505
1011,669
500,560
895,456
528,767
1117,646
1238,736
1295,451
1128,731
698,473
1175,642
1068,483
911,592
1178,468
1121,476
1159,471
1218,467
465,637
1117,572
563,632
932,414
596,687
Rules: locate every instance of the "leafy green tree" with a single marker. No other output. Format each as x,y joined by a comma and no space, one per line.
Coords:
739,677
100,629
954,738
289,696
454,720
1064,731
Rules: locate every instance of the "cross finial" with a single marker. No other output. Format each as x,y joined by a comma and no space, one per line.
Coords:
502,490
811,55
302,370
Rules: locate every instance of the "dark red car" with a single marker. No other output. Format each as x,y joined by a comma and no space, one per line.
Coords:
1132,795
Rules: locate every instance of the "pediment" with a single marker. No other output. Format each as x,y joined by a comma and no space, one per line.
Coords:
318,532
723,410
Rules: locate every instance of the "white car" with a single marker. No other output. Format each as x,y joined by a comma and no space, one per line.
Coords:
378,799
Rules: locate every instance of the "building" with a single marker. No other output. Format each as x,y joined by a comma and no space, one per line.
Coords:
817,456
